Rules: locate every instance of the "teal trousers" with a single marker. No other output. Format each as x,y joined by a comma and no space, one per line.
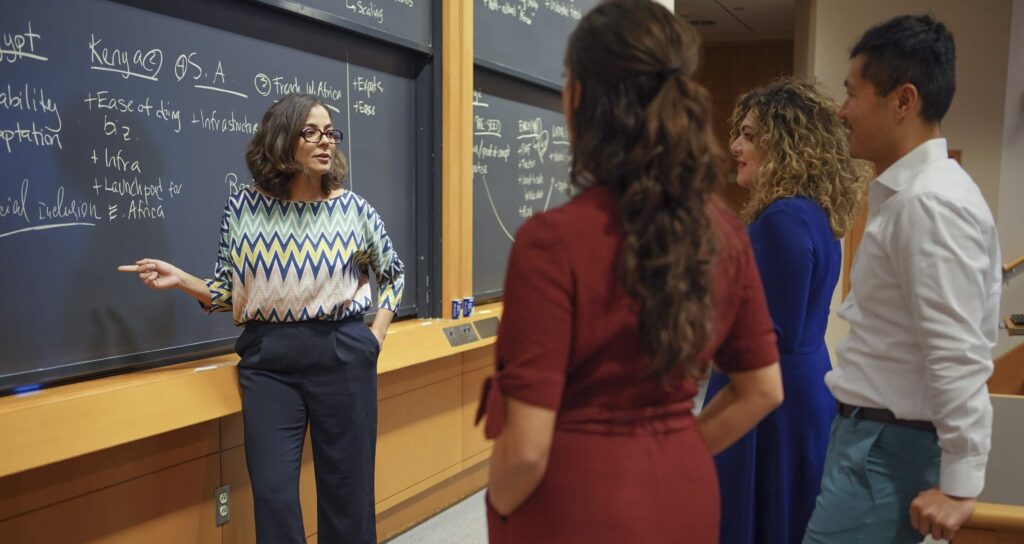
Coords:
872,472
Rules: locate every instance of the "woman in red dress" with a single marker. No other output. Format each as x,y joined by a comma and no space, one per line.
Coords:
618,301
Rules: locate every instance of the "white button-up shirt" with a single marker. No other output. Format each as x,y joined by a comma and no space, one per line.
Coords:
924,309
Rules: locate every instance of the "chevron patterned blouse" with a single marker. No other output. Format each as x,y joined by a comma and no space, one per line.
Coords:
284,261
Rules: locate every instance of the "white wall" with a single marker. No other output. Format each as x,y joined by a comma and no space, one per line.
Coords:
975,119
1011,178
975,122
804,26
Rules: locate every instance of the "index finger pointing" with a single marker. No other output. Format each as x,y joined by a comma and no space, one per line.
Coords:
128,268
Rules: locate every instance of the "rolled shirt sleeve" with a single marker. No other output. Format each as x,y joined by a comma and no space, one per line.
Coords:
941,258
383,259
220,284
536,328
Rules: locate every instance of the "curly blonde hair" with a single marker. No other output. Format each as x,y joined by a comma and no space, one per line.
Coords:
805,152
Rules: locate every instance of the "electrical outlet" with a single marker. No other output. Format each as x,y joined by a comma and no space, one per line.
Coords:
222,504
458,335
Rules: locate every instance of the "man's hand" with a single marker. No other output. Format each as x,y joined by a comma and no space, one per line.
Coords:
939,515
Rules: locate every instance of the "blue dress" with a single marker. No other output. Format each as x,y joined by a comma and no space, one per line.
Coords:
771,477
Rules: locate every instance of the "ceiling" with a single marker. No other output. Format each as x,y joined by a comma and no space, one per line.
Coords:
739,20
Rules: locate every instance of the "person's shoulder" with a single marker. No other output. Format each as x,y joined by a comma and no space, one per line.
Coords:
542,229
351,202
247,192
723,219
591,201
798,214
352,196
945,184
721,214
799,204
730,233
594,208
246,196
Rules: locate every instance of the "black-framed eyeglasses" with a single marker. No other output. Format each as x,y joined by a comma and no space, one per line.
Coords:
314,135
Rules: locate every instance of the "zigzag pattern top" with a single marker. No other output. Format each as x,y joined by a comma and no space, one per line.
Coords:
283,261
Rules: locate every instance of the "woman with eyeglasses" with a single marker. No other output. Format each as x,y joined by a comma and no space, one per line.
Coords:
295,254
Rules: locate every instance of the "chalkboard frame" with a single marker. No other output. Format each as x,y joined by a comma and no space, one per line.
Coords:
303,10
517,74
427,85
511,85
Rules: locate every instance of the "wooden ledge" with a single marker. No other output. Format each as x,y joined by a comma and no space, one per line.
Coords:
50,425
416,341
1013,264
996,516
1013,330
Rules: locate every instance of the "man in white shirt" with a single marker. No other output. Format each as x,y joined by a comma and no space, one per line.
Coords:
908,450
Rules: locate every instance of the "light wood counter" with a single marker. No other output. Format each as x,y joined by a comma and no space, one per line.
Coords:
51,425
140,453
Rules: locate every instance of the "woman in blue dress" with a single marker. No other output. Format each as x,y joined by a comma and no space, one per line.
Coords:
791,153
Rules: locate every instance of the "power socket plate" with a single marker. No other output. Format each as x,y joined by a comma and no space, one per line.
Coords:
461,334
222,504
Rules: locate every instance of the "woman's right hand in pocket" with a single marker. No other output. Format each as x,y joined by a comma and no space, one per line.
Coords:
155,273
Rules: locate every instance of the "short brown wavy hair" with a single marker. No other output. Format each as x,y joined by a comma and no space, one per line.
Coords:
271,152
806,151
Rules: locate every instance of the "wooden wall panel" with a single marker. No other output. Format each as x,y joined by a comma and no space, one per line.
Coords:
171,506
1008,378
480,358
456,149
242,527
976,536
852,241
731,69
100,414
48,485
395,520
429,456
33,489
473,441
418,436
307,488
989,536
392,384
728,71
232,433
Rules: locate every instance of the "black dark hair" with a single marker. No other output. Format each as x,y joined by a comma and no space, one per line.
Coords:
913,49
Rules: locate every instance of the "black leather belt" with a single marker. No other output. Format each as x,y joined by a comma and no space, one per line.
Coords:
882,415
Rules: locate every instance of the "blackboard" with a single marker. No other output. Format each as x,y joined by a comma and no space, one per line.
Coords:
122,132
403,22
521,160
526,38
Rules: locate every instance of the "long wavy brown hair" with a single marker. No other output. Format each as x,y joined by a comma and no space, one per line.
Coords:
271,152
641,127
805,149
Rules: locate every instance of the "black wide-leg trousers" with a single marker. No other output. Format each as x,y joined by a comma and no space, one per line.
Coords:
323,373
